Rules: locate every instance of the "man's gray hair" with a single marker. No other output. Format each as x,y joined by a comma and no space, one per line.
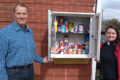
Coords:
20,4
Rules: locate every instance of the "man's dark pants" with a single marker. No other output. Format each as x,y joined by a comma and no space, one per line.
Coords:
20,73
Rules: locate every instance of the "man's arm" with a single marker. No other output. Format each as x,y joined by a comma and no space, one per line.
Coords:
3,52
38,59
41,59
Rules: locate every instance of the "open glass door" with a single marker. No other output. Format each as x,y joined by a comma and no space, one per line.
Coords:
51,34
96,36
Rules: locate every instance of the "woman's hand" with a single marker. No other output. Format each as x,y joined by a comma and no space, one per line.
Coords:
97,61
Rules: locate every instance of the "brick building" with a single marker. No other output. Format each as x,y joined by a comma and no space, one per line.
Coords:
38,22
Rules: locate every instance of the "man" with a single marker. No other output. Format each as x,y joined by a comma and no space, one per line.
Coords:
17,48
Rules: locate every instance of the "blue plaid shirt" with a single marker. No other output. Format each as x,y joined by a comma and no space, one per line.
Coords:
17,48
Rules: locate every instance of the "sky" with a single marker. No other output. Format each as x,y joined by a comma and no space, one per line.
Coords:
111,9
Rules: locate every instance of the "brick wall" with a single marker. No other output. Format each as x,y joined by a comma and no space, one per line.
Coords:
38,21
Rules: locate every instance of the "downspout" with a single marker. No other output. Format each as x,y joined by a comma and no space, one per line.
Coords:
95,6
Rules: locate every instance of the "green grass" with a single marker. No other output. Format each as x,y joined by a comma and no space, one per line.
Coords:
97,74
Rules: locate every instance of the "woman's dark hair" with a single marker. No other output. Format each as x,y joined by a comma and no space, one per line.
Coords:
117,40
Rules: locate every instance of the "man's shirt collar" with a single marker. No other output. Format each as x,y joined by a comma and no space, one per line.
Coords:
17,27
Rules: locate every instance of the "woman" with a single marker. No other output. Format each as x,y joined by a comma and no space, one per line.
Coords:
110,55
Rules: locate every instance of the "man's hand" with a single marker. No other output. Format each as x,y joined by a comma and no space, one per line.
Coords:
45,60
